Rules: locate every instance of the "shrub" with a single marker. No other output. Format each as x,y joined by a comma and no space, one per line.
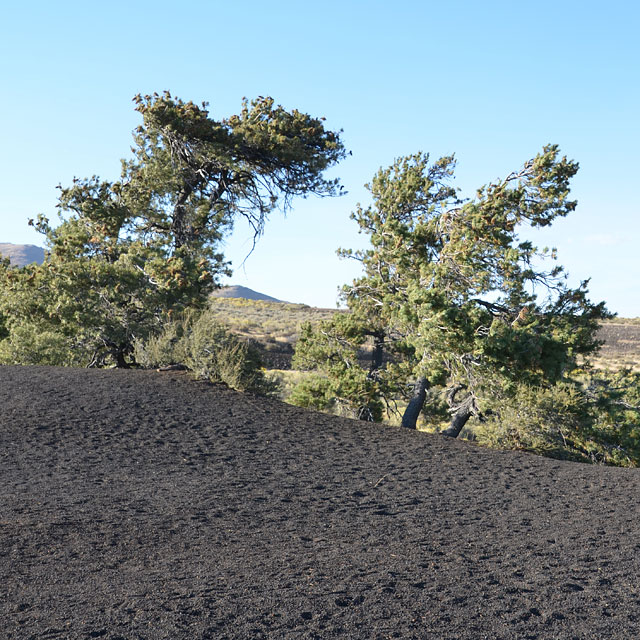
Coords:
592,420
199,342
543,420
313,392
28,344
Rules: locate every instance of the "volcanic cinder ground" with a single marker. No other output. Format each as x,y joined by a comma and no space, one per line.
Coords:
144,505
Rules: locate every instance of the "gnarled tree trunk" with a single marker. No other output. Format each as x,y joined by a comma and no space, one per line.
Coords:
461,413
460,418
377,355
410,417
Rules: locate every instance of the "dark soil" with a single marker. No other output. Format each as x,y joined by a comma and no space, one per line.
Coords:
621,344
145,505
275,355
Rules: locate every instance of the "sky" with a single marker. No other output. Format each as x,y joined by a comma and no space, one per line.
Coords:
491,81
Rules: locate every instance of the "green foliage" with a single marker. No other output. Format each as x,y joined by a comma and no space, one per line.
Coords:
29,346
450,293
214,354
345,383
594,420
93,305
544,420
167,346
197,341
127,252
212,171
313,392
615,396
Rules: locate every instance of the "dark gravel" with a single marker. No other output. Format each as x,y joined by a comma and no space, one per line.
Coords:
145,505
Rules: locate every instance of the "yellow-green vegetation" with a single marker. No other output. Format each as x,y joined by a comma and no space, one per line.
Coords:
204,346
591,418
618,320
266,321
273,323
285,380
526,425
544,421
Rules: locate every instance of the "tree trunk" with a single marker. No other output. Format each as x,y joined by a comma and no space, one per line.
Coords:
121,363
378,351
178,222
410,417
365,414
460,418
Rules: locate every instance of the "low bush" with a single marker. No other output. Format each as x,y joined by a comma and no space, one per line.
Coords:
28,344
313,392
205,347
593,418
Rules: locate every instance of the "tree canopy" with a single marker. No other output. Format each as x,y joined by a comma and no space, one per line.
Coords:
128,252
455,313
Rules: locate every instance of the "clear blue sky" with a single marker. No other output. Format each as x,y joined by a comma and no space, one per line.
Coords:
491,81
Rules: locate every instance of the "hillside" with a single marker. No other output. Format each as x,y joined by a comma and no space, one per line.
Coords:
143,505
236,291
275,325
621,346
21,254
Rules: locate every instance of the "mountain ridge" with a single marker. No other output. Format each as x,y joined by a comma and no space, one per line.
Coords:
238,291
21,254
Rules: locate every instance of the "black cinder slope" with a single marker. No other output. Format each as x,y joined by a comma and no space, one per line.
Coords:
143,504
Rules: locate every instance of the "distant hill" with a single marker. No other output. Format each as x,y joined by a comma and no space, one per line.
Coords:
22,254
242,292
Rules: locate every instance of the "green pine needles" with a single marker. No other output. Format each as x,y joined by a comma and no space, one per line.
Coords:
460,320
128,252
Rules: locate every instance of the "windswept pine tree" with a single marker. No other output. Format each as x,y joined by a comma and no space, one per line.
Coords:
127,253
460,314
